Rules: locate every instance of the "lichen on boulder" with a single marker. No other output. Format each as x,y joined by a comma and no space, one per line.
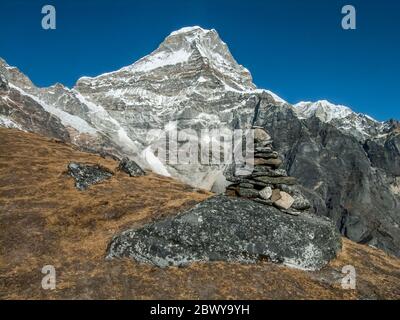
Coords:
231,229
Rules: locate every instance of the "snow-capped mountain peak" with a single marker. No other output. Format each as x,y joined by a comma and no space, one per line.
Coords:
345,119
189,30
190,49
323,109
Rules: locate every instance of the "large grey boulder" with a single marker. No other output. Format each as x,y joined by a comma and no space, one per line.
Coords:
231,229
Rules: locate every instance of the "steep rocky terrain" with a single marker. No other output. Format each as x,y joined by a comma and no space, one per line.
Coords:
46,220
337,171
52,112
348,163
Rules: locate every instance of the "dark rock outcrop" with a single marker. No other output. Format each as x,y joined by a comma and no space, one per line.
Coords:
86,175
231,229
130,167
3,83
385,156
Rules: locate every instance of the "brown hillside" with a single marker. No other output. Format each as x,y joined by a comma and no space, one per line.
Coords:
45,220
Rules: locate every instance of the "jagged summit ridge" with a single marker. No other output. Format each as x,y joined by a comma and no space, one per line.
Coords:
189,29
190,49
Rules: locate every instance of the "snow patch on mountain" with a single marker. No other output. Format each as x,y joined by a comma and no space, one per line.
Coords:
155,163
187,29
6,122
161,59
102,119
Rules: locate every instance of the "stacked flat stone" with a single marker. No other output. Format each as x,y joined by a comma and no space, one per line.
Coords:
268,183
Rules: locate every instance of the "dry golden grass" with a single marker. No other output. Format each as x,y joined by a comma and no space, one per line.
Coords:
45,220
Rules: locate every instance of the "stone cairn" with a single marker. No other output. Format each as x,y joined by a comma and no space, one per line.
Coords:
268,184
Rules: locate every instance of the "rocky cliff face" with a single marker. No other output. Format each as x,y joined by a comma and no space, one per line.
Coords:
340,176
22,111
347,163
54,111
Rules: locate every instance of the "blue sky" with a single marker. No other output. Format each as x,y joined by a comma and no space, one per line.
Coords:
295,48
